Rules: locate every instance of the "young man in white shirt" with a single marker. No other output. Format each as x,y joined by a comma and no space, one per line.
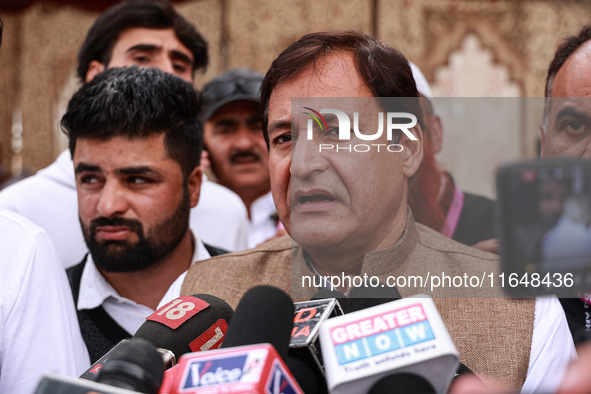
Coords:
136,144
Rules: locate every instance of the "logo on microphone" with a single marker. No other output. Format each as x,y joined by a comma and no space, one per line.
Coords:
214,372
280,381
381,333
212,337
178,311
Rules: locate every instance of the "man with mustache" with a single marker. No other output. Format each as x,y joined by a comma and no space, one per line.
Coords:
145,33
234,140
136,142
347,212
566,132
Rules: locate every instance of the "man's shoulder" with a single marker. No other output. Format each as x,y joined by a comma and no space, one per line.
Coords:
54,184
437,243
228,276
441,260
279,248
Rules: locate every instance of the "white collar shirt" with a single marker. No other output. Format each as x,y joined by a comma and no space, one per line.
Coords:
96,291
262,225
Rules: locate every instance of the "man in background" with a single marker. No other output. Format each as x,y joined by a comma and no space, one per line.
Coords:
136,143
347,212
237,149
146,33
39,331
566,131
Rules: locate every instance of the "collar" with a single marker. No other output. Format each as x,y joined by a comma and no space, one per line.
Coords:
263,208
377,262
94,288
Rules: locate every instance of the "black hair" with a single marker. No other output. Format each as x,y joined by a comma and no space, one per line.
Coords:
137,103
153,14
564,51
384,70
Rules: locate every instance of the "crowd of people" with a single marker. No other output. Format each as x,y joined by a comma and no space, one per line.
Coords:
166,190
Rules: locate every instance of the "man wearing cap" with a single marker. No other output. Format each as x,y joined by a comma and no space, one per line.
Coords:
145,33
237,150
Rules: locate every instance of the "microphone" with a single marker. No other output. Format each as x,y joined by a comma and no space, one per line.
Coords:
403,340
253,357
134,366
402,383
168,360
186,324
308,317
52,383
263,315
244,369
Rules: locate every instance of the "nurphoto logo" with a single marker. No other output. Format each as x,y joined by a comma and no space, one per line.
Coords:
344,122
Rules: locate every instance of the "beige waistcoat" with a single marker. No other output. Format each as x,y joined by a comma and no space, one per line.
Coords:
492,334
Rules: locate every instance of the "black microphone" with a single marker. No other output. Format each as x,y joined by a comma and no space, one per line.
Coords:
309,316
51,383
265,314
188,324
402,383
253,356
135,365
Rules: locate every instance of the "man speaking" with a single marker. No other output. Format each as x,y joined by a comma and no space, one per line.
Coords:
346,209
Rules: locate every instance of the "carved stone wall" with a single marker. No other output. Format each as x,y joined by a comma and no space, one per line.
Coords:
40,45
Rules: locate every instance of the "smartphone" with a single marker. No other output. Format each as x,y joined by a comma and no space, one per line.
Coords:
544,227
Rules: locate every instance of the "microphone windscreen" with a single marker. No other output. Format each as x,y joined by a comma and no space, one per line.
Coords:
303,374
196,323
134,365
263,315
402,383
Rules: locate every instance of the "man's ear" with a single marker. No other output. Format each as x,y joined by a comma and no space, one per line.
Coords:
194,185
435,133
413,151
94,68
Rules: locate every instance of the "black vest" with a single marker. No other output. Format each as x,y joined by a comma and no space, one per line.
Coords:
99,331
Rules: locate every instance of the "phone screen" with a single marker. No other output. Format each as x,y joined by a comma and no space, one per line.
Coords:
545,226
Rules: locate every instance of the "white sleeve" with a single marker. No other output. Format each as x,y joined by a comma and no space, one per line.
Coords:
39,330
220,218
552,348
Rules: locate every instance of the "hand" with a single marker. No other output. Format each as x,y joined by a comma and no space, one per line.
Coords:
577,378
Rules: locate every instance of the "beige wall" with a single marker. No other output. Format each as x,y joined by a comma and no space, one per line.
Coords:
40,44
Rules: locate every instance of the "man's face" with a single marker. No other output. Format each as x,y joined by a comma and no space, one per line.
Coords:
133,201
569,121
237,148
144,47
336,199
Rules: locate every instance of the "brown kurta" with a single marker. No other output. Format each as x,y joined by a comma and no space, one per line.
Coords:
492,335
